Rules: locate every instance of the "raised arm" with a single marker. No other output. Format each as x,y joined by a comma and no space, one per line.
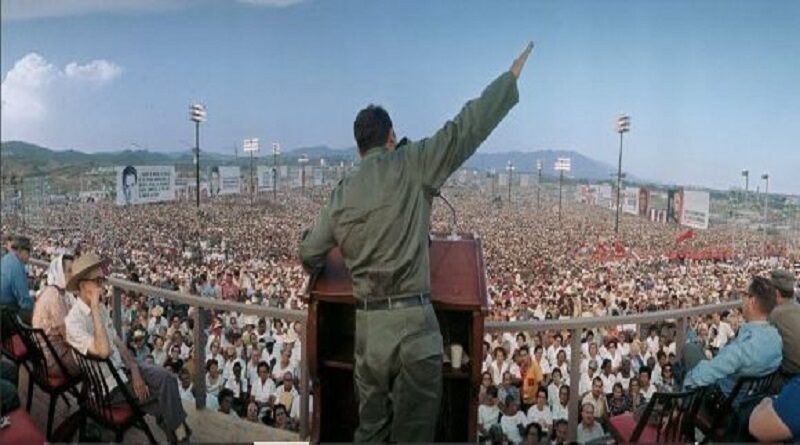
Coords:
437,157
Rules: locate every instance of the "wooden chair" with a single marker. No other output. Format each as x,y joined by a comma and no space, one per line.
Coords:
55,382
96,401
747,390
11,344
667,418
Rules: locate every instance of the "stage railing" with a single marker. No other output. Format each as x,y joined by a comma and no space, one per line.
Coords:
575,326
201,324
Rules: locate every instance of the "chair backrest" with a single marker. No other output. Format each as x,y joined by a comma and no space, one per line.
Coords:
672,414
97,393
8,328
37,343
749,388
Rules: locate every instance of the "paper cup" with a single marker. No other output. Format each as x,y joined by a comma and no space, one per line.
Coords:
456,353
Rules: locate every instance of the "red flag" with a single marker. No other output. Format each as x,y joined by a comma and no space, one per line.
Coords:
683,236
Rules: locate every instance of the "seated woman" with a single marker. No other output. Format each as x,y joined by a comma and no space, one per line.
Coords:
50,311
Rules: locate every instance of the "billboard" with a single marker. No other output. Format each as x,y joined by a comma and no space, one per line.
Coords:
674,205
630,200
142,184
695,209
604,196
265,177
318,176
644,201
224,180
502,179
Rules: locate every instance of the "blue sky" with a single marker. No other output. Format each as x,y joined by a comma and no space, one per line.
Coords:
711,87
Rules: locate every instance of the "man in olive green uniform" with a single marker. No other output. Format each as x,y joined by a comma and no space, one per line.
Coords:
379,216
786,319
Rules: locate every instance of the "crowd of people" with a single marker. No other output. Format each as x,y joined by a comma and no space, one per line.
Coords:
538,267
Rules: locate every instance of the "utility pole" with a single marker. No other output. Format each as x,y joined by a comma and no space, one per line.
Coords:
562,165
623,126
197,114
539,165
276,150
251,146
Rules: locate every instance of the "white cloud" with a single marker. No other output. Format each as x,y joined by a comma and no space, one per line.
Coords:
97,71
28,88
23,89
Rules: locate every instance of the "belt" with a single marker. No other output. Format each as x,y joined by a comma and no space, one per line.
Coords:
393,302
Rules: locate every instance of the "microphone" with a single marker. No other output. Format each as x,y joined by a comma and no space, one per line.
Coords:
453,233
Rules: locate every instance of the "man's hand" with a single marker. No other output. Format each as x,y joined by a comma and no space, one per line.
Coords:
139,386
519,62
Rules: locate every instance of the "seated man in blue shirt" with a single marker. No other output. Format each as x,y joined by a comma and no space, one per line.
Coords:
756,350
778,420
14,293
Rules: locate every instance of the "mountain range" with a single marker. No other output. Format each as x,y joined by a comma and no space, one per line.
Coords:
23,158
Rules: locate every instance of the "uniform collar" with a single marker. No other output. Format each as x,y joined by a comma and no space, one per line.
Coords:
375,151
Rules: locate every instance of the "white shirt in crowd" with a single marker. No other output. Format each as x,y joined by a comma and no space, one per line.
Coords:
608,382
510,426
560,411
488,416
239,388
261,391
290,399
186,394
543,417
724,333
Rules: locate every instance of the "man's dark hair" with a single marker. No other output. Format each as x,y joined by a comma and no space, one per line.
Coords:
491,391
225,392
371,128
763,291
130,170
534,426
645,370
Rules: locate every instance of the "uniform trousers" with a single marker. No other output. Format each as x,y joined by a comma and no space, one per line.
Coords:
398,374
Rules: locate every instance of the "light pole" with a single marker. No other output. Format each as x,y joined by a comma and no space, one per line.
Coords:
623,126
562,165
765,177
746,174
303,161
251,146
510,170
539,165
197,114
276,150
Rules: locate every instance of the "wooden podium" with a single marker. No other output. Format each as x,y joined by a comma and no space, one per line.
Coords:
458,288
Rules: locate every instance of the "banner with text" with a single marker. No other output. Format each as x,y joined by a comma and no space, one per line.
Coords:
224,180
141,184
630,200
266,178
695,209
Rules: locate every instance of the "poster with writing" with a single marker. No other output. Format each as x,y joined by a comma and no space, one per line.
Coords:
141,184
266,178
225,180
